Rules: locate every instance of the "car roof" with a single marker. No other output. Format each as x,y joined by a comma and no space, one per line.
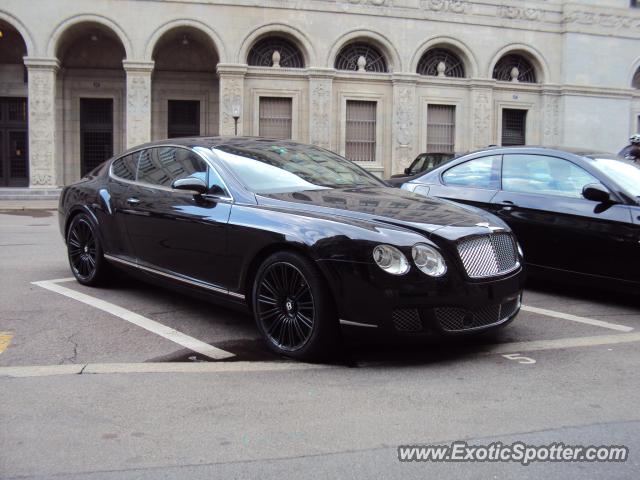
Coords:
581,152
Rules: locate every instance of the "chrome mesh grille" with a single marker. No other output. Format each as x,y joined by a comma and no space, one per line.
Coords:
488,255
454,319
407,320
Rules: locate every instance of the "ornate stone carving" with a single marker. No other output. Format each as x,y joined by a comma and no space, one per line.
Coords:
454,6
606,20
231,88
481,119
552,134
377,3
320,113
523,13
404,111
42,123
138,107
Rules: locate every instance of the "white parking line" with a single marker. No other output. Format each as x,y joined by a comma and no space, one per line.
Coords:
575,318
169,333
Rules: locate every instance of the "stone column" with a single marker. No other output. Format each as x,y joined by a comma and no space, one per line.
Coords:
320,101
405,121
231,97
138,116
42,122
481,117
551,118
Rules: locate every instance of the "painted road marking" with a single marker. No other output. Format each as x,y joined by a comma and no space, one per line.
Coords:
152,326
5,340
575,318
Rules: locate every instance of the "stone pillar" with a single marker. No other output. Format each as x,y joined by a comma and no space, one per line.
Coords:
320,101
42,122
482,117
231,97
138,116
551,118
405,121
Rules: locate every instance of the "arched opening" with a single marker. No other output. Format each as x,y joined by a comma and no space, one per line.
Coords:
185,85
14,140
441,62
361,56
275,51
636,79
93,87
515,67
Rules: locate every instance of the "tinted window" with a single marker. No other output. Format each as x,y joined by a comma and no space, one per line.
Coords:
125,167
478,173
162,165
625,172
543,175
267,167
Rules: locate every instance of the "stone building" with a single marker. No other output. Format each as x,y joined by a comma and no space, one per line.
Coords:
376,80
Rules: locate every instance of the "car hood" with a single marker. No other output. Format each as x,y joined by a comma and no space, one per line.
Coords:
383,205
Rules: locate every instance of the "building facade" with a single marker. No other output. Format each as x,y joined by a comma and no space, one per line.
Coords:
378,81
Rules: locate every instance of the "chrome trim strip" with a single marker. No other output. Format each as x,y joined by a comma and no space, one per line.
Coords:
180,278
357,324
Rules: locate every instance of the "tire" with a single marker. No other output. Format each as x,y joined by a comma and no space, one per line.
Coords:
84,251
294,309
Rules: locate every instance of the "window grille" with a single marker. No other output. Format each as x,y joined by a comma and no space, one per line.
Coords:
360,131
275,117
504,69
514,123
261,54
96,132
347,58
441,128
429,62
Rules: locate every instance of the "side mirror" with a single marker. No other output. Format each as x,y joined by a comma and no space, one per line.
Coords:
407,171
596,193
190,184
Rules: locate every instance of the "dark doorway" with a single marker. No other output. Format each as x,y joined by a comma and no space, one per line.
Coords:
14,161
514,127
183,118
96,132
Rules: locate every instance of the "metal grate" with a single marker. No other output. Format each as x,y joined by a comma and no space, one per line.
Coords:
441,128
488,255
14,163
347,58
407,320
360,131
275,117
453,319
504,68
18,154
514,127
96,132
261,54
183,119
453,66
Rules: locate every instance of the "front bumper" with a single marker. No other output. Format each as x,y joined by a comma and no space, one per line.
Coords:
415,304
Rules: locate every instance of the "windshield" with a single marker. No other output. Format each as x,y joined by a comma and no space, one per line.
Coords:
624,173
268,167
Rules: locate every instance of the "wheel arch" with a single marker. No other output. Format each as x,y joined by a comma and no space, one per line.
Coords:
74,212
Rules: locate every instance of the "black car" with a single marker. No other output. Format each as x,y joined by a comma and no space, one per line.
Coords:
573,212
422,163
300,236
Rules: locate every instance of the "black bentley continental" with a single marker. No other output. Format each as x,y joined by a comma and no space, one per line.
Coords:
306,240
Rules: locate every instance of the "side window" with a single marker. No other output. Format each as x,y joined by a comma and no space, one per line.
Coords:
125,167
216,185
162,165
417,164
477,173
543,175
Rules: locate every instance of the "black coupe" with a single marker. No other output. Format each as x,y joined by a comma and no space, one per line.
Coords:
575,213
303,238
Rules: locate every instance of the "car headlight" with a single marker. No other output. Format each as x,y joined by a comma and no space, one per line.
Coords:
428,260
391,260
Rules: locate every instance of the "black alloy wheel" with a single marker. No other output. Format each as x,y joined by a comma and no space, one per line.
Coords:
85,252
293,308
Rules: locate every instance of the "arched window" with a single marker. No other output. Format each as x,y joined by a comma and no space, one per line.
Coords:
263,53
441,62
636,79
513,67
361,56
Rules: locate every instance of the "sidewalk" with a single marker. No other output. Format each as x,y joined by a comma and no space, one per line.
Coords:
28,204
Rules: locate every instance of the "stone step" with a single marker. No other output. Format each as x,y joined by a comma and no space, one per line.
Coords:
27,194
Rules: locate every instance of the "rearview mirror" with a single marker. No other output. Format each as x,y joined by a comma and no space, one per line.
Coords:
407,171
190,184
596,193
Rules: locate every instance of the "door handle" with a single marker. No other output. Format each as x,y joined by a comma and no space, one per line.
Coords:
507,205
133,201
